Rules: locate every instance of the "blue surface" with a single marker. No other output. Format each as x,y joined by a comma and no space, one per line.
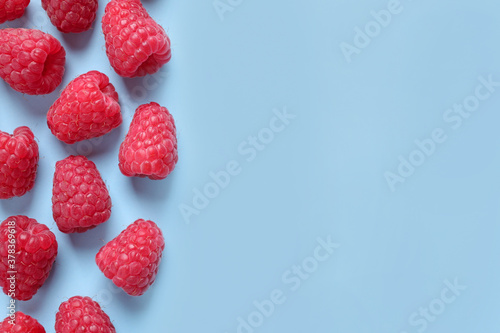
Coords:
416,256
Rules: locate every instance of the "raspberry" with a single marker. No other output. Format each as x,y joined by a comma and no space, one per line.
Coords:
150,147
88,108
35,251
71,15
31,61
12,9
18,162
21,323
132,259
135,44
82,314
80,199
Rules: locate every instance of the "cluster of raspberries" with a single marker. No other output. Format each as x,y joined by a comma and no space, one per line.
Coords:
32,62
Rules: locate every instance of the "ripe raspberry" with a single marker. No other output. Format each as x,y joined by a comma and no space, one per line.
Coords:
132,259
71,15
150,147
31,256
82,314
135,44
12,9
88,108
21,323
18,162
31,61
80,199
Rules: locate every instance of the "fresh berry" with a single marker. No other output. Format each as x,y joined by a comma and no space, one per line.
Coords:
88,108
12,9
18,162
31,61
28,249
20,323
135,44
80,199
81,315
71,15
132,259
150,147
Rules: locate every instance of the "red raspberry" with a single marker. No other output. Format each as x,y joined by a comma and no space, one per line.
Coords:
132,259
31,61
80,199
12,9
31,256
150,147
21,323
88,108
135,44
82,314
71,15
18,162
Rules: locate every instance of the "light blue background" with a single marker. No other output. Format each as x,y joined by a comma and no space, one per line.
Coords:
323,175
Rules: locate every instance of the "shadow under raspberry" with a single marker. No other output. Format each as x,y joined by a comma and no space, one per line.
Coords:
37,105
17,204
78,41
145,89
91,240
26,21
156,191
134,304
105,144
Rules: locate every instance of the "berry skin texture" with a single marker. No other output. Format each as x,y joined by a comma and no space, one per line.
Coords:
71,15
12,9
81,315
21,323
150,147
18,162
135,44
80,199
87,108
31,61
35,248
132,259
